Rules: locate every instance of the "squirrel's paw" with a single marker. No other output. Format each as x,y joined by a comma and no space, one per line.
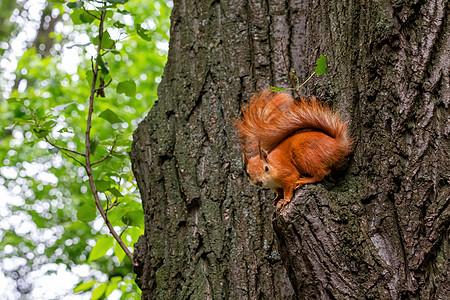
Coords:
299,185
276,200
282,203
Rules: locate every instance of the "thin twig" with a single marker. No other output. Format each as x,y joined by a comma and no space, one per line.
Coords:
109,50
126,227
107,155
288,70
63,148
88,144
109,82
307,79
103,87
70,156
90,13
113,204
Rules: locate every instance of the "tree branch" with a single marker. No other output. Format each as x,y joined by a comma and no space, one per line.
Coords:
63,148
88,144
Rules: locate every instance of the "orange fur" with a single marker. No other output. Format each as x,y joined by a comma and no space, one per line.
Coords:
290,143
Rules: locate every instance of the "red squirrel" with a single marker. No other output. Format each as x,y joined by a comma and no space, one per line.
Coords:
287,143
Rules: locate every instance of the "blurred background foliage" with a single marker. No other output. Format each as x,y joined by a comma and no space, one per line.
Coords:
53,243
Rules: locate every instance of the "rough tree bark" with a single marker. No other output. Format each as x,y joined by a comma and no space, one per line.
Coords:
377,230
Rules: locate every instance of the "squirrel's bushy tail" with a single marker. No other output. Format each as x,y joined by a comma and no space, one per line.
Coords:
272,117
257,118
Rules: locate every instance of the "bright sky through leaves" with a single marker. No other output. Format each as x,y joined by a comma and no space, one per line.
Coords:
44,248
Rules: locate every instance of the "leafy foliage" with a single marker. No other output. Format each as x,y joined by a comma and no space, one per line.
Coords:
321,69
277,89
321,65
50,215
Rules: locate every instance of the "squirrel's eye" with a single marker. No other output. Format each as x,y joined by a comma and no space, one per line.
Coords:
266,168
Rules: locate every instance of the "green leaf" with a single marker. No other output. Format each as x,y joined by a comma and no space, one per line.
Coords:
277,89
104,243
99,291
41,132
134,218
126,205
30,143
107,42
143,33
94,143
75,5
127,87
110,116
75,16
102,185
118,251
48,124
117,1
80,17
113,285
90,76
53,150
86,18
118,24
103,67
16,100
115,192
84,286
134,233
86,213
91,12
321,63
64,129
40,222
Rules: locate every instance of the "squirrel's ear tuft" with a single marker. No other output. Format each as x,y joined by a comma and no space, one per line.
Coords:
263,154
244,157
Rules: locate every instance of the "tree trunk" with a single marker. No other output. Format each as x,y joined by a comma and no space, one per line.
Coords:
376,230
